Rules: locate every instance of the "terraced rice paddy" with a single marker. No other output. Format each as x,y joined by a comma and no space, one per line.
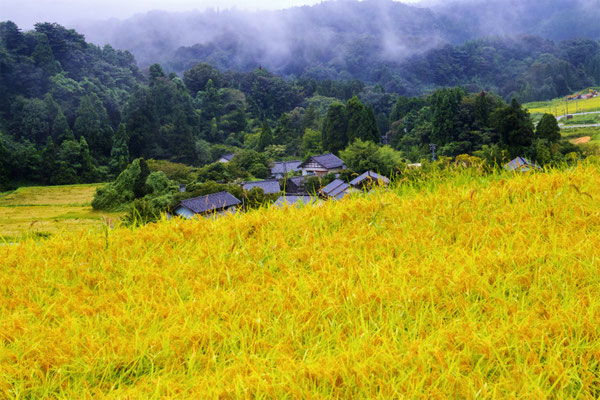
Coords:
465,286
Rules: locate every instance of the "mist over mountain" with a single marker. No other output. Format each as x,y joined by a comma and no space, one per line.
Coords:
333,39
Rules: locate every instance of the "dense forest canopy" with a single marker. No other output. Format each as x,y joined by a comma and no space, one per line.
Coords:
71,111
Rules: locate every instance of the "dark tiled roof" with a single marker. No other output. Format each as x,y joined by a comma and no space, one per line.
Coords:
292,199
211,202
269,186
332,186
369,176
294,184
521,164
329,161
283,167
339,191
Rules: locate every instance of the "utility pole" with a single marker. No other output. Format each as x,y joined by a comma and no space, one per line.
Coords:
433,147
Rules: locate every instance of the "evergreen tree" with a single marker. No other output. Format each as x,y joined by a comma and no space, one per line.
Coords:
284,132
119,154
367,129
43,56
93,124
182,146
266,136
60,128
548,128
155,73
514,126
334,128
139,186
354,114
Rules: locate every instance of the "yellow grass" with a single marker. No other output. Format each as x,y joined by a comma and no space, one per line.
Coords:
46,210
51,195
461,288
558,107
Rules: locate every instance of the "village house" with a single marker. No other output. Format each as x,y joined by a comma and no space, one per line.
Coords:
368,179
281,169
215,203
225,158
337,189
294,185
322,165
521,164
268,186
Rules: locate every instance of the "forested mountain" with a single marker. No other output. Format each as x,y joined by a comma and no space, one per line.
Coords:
74,112
409,50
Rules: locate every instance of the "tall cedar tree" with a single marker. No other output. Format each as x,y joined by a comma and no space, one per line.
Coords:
93,124
119,154
367,130
266,136
354,115
335,127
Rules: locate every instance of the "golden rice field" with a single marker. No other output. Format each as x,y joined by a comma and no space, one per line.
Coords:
40,211
559,106
466,287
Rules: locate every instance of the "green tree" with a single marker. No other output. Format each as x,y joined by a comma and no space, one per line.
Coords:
60,128
335,129
43,56
514,126
311,143
93,124
197,77
266,136
354,115
548,128
367,130
362,156
119,154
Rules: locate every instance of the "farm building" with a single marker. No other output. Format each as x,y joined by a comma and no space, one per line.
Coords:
521,164
225,158
269,186
322,165
282,168
368,179
336,189
216,203
294,184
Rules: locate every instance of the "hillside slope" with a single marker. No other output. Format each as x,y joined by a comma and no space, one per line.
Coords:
458,288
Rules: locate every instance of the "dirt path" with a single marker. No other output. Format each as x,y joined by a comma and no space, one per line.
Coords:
581,140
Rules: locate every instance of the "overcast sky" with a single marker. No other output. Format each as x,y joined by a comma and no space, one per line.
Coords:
27,12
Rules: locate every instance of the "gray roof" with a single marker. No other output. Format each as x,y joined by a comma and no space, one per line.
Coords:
521,164
339,191
329,161
268,186
227,156
332,186
293,199
283,167
370,176
211,202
